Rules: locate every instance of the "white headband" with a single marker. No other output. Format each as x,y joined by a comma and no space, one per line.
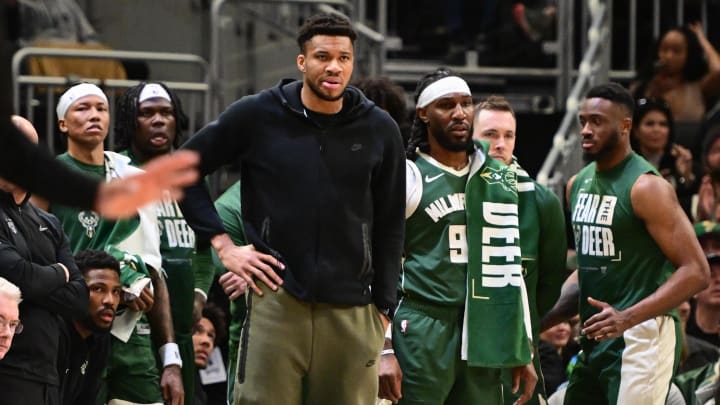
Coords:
153,90
442,87
77,92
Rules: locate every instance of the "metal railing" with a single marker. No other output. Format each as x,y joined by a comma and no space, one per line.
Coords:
53,84
371,56
564,157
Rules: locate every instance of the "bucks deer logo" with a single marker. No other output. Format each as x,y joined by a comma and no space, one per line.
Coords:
89,220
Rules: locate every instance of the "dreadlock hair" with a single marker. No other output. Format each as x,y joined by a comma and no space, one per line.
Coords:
419,129
127,112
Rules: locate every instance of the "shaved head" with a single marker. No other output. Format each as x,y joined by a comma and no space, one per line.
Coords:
26,127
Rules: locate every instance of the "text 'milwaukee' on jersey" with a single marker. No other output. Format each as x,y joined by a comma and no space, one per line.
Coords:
618,260
435,240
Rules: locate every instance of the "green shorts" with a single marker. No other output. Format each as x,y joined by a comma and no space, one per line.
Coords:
427,339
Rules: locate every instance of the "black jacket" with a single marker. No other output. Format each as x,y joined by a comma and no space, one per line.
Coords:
31,244
33,168
323,194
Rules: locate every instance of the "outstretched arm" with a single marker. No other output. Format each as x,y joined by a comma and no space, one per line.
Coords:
655,203
710,84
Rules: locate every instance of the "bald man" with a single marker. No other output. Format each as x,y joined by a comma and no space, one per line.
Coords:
35,256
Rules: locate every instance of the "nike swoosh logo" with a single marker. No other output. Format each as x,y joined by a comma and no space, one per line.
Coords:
43,229
433,178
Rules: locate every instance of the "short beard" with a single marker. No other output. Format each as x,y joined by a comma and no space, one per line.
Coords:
607,149
316,90
88,322
444,141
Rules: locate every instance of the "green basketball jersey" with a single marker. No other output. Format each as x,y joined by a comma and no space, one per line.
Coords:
177,239
618,260
435,240
87,230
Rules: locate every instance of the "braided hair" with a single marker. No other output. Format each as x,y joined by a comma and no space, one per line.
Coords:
127,112
419,130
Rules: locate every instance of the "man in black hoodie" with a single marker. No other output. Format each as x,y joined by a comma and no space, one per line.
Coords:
323,175
35,255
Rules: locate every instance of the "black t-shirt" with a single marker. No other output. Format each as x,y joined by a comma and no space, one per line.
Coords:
80,365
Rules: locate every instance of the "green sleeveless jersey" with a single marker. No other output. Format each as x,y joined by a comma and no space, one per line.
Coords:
435,240
618,260
177,239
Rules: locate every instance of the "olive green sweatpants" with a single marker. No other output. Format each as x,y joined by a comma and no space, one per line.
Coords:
294,352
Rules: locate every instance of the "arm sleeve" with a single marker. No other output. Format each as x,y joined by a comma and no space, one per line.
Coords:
552,250
389,221
203,270
218,143
71,299
34,169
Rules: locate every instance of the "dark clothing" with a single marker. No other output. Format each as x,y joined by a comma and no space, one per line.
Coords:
80,364
692,329
323,195
32,168
699,353
16,391
200,397
554,364
31,245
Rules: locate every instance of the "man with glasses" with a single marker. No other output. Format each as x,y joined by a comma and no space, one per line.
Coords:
35,255
10,325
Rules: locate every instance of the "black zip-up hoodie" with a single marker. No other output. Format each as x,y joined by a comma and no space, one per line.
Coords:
323,194
32,243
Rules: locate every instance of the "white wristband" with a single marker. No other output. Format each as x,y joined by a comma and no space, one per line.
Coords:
170,355
387,351
388,331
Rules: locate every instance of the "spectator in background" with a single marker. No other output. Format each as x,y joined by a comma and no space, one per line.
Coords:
684,71
557,347
695,352
653,137
57,20
209,331
709,189
704,320
10,298
85,342
390,97
35,255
